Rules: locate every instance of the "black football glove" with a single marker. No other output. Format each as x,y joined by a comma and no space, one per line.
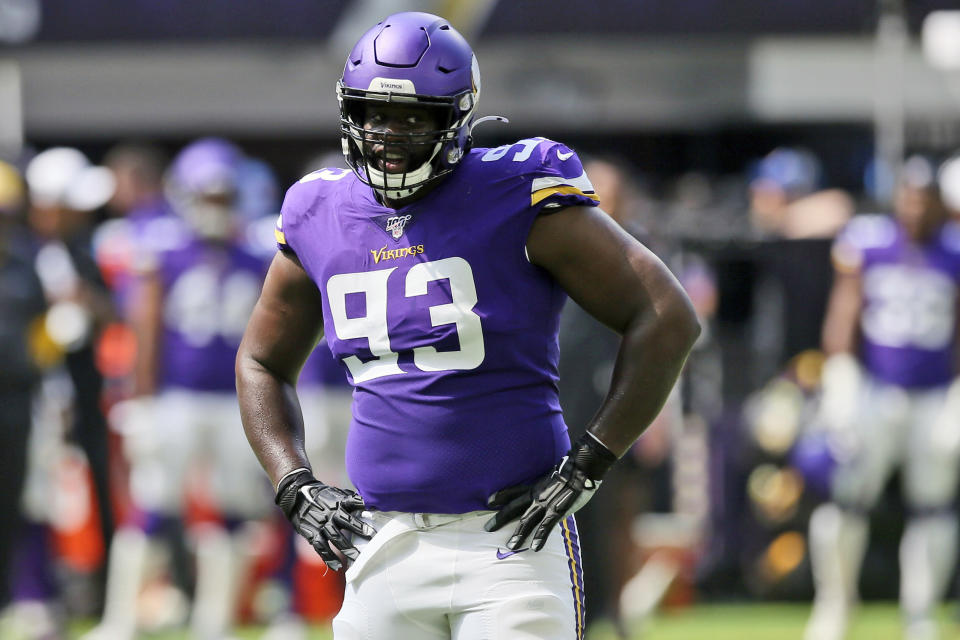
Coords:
567,487
324,515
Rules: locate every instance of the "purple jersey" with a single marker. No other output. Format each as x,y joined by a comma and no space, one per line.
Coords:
448,333
209,292
908,320
126,246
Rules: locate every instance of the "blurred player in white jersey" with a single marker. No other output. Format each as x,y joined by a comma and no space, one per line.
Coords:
191,304
889,400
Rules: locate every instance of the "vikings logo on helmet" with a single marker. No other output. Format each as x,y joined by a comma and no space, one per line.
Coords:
409,58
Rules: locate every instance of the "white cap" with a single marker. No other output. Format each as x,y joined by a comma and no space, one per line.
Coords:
63,176
948,179
940,39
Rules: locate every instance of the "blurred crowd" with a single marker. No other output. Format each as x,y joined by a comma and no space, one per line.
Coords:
134,500
126,290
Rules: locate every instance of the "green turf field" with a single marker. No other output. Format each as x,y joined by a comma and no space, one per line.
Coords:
770,622
714,622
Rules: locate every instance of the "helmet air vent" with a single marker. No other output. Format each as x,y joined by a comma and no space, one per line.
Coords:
399,48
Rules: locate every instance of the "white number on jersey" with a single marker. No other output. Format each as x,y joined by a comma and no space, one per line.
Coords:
330,175
524,153
373,326
201,308
908,307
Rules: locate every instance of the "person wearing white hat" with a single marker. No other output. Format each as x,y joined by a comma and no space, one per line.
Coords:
64,190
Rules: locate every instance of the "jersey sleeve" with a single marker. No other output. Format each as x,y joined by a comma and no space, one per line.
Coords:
557,178
855,241
310,194
281,237
297,202
155,240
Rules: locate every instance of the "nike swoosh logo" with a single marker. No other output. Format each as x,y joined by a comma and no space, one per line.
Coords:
506,554
564,156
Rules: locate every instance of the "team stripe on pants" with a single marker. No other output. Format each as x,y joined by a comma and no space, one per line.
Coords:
572,545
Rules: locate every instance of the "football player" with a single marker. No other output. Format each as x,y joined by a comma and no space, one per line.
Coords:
191,305
437,272
890,337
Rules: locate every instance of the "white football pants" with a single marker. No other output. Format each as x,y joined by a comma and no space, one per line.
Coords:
442,577
895,428
188,428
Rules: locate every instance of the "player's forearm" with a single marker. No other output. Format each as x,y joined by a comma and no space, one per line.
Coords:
146,322
651,356
841,322
272,420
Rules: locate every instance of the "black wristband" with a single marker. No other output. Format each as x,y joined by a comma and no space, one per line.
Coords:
286,496
592,457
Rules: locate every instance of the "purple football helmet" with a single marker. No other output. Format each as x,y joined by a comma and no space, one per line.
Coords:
207,165
409,58
202,185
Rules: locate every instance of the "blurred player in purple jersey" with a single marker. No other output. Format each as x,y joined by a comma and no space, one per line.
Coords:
890,337
436,272
124,242
190,307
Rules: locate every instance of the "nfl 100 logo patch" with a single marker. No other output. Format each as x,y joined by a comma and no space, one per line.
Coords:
394,225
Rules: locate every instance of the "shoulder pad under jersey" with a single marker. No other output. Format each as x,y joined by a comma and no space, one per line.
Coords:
863,233
301,200
553,171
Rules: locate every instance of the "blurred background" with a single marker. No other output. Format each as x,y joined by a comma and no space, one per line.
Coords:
735,138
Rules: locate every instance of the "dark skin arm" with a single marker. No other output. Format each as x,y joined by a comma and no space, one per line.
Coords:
146,321
843,313
624,285
285,326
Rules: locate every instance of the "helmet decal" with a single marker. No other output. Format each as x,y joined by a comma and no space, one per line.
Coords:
475,76
392,85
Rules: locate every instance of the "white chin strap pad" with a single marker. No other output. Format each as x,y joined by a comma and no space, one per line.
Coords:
397,186
393,182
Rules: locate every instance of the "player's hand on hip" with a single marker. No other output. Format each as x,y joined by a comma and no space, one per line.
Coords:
560,493
326,516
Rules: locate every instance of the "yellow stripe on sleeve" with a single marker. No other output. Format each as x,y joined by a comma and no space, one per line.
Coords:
282,239
537,196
